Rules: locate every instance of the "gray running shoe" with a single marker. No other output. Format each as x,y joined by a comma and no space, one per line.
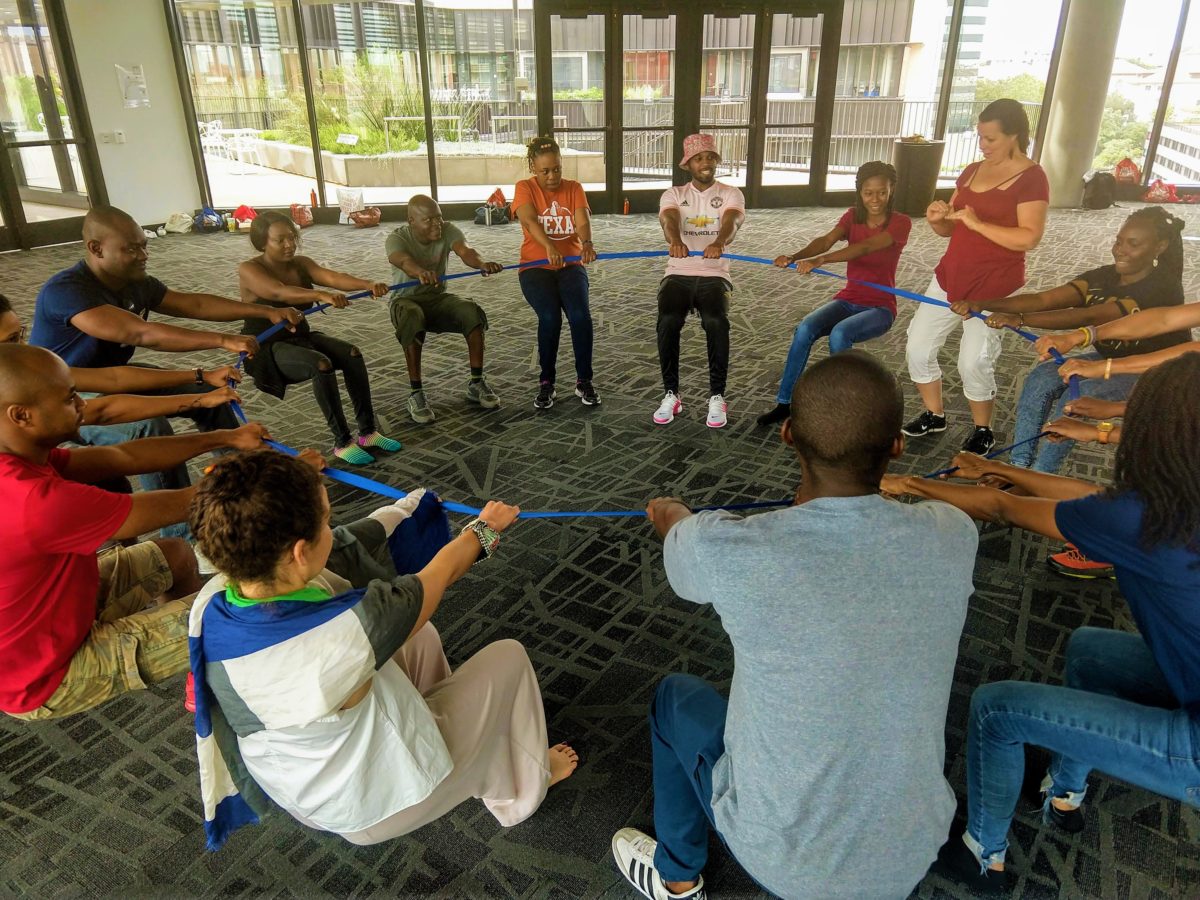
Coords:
479,392
418,408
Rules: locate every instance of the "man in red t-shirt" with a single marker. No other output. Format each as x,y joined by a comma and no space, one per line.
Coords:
77,629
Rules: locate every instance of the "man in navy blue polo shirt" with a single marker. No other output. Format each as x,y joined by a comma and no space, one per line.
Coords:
96,313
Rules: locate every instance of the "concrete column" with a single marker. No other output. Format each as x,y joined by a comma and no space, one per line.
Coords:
1084,68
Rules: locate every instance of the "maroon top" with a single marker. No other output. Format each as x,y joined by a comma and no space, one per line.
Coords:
878,267
973,267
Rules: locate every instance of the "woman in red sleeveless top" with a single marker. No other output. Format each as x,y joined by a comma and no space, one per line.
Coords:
996,214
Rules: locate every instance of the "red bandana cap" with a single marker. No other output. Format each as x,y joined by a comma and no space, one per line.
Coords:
697,143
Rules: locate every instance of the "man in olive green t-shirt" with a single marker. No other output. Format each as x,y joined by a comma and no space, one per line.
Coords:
419,250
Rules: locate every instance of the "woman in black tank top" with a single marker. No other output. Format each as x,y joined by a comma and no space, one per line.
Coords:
278,277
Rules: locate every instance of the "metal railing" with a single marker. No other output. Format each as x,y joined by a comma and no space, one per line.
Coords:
862,128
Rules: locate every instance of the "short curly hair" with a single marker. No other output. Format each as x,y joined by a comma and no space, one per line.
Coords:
260,228
251,508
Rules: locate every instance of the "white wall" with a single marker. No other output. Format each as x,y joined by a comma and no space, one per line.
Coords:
151,175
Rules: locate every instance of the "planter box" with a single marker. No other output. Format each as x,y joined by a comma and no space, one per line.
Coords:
411,169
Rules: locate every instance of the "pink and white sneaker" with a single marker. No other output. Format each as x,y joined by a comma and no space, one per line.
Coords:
670,407
718,412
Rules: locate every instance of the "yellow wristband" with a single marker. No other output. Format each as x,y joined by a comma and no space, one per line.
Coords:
1108,369
1087,337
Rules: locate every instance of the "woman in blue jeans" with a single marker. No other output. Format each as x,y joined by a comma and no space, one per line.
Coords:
876,235
1146,272
1130,703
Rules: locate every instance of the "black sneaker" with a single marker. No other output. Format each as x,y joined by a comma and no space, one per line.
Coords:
925,423
545,396
981,441
1069,820
779,414
586,393
957,863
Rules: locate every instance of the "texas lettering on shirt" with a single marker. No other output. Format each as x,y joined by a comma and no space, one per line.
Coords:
557,221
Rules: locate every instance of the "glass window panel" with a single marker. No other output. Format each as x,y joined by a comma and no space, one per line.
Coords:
577,57
887,85
648,88
244,67
1135,87
482,76
583,158
732,144
728,60
1003,51
791,98
648,160
370,103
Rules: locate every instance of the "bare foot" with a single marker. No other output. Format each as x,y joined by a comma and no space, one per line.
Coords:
563,761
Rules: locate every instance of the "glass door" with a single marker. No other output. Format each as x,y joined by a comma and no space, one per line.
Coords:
44,170
648,103
579,99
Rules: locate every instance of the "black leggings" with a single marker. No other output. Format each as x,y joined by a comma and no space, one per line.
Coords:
318,363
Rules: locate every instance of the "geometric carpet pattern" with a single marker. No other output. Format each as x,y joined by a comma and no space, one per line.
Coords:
106,803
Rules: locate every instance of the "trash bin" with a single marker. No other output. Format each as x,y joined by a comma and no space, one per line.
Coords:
917,166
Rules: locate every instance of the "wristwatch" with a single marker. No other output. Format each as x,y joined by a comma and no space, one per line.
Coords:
199,375
488,537
1103,430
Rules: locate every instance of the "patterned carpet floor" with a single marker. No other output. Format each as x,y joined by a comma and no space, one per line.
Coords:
106,803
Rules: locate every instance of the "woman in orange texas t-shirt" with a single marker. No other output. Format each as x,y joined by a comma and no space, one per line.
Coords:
554,214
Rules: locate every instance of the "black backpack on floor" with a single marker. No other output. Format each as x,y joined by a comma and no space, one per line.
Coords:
1099,190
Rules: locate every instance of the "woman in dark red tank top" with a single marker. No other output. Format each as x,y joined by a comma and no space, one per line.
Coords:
996,214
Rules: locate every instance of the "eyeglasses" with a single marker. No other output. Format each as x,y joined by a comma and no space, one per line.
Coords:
17,337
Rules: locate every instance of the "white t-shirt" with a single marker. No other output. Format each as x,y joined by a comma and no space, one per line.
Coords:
700,223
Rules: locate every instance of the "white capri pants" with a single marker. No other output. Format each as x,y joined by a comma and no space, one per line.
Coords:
977,354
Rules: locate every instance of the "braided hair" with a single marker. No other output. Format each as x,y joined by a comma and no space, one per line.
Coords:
866,171
539,145
1159,454
1169,228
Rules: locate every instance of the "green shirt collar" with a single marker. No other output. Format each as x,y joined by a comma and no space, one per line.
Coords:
305,595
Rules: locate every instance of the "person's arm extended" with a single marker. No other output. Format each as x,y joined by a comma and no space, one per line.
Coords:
409,266
255,280
108,323
1076,317
115,409
880,241
453,560
339,281
731,221
1065,296
982,503
471,258
527,216
135,379
583,228
92,464
1068,429
1124,365
665,513
1144,324
1027,234
152,510
670,222
1039,484
209,308
813,251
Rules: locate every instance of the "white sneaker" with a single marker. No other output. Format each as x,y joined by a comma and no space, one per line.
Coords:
718,411
634,853
670,407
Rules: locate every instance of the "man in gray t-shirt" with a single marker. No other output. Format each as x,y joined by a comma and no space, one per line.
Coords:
419,250
822,772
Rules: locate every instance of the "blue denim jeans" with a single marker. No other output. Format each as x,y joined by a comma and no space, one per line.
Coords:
846,324
1042,400
551,293
687,737
1115,713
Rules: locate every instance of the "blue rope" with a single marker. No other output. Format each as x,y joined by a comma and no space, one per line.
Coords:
376,487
